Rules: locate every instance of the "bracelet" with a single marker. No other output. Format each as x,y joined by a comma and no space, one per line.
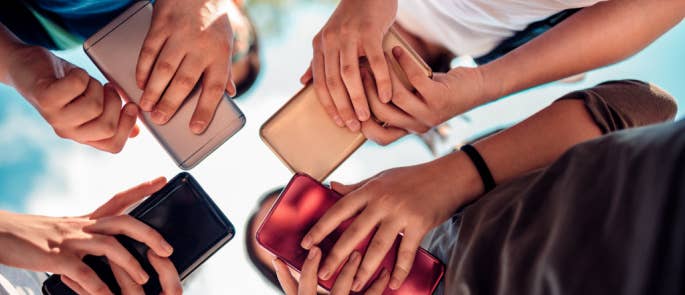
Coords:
481,166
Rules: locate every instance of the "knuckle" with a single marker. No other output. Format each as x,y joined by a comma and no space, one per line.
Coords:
185,81
175,290
164,66
216,88
332,83
101,289
347,70
376,59
148,51
82,271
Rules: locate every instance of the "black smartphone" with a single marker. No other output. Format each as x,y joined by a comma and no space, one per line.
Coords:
185,216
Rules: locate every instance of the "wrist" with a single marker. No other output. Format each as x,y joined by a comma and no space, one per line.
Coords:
492,86
458,178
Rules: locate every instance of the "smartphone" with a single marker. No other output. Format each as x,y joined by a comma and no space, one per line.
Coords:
115,49
307,140
185,216
299,207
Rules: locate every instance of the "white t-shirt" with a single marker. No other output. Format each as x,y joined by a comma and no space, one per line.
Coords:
475,27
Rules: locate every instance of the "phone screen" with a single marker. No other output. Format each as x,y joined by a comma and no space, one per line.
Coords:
298,208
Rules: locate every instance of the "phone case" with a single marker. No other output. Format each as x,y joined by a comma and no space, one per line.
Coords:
185,216
298,208
115,49
307,140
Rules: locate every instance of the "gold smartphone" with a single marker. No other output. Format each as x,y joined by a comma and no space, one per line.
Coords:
114,50
307,140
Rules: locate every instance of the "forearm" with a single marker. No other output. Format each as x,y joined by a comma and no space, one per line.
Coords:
8,44
534,143
596,36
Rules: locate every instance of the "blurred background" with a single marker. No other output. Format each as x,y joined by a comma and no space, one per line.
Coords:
42,174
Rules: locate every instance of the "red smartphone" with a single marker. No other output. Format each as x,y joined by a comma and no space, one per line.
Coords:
300,205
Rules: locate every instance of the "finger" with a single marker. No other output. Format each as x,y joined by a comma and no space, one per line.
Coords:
62,91
336,88
308,277
379,285
349,61
108,246
82,275
307,76
319,76
133,228
181,85
73,285
86,107
343,283
125,128
121,201
339,212
405,259
286,279
231,89
389,113
162,72
213,85
381,135
378,248
126,283
104,126
360,228
376,58
135,130
168,275
154,40
345,189
415,74
409,102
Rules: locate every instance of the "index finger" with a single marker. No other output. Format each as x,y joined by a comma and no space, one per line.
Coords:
349,70
339,212
309,279
121,201
380,69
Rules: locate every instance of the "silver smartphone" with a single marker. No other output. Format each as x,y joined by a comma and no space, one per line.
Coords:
115,49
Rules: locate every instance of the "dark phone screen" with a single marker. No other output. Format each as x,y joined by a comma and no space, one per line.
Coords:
184,216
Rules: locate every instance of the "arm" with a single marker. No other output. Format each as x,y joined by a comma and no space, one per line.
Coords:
596,36
593,37
412,200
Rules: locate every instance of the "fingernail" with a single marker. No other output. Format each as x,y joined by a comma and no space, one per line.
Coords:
143,277
353,124
131,110
338,121
384,273
355,256
395,284
357,285
234,90
363,115
197,127
306,242
146,105
159,117
167,248
386,96
312,254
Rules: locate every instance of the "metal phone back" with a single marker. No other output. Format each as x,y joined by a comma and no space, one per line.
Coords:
115,49
307,140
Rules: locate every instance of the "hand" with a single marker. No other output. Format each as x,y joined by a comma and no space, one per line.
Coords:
77,106
355,29
439,98
308,277
187,40
58,245
396,123
409,200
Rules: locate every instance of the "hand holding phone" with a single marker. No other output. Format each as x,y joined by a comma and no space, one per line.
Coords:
184,215
115,49
299,207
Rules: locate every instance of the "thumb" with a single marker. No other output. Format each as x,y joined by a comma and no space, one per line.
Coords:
121,201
